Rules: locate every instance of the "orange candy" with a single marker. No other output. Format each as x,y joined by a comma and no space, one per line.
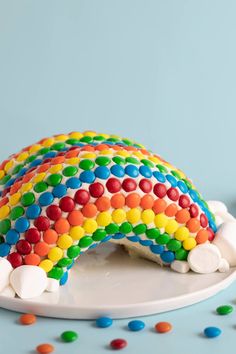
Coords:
103,203
32,259
89,210
75,218
57,160
171,210
147,201
27,319
117,201
202,236
132,200
50,236
62,226
163,327
41,248
43,168
159,206
45,348
193,225
182,216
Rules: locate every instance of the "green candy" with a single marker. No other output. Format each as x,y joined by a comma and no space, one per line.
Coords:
85,241
69,336
64,262
99,235
153,233
73,252
119,160
56,273
43,151
17,169
126,228
54,179
224,309
127,142
5,179
70,171
112,229
40,187
27,199
102,161
132,160
147,163
72,141
181,254
5,226
176,174
58,146
174,245
86,139
98,138
86,164
17,212
163,239
140,229
162,169
30,159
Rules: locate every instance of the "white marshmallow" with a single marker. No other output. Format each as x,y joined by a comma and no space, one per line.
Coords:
28,281
8,292
5,271
53,285
180,266
217,207
225,240
226,217
204,258
224,266
218,220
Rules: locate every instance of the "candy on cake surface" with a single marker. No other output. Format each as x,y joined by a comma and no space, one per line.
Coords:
68,193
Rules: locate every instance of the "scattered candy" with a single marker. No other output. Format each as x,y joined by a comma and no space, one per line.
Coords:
224,309
69,336
163,327
118,343
212,332
136,325
104,322
27,319
45,348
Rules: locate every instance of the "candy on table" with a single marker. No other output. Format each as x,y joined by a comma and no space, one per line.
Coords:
118,343
212,332
224,309
69,336
66,194
136,325
27,319
45,348
104,322
163,327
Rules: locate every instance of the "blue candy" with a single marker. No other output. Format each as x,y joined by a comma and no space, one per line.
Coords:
64,278
167,256
59,191
172,180
22,224
102,172
212,332
132,171
117,171
104,322
136,325
145,171
145,242
157,249
33,211
159,176
12,237
46,198
73,183
182,186
87,177
118,236
4,249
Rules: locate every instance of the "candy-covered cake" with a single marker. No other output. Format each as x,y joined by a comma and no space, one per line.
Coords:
69,193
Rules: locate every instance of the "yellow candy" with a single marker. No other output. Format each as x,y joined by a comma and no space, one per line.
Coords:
73,161
55,254
55,168
182,233
133,215
64,241
138,154
106,136
90,133
48,142
189,243
105,152
14,198
26,187
147,216
76,232
46,265
4,211
34,148
123,153
2,174
61,137
104,218
39,177
90,226
23,156
8,165
75,135
160,220
154,159
89,155
118,216
171,226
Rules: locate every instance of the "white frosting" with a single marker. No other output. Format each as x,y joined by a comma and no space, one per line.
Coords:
225,240
180,266
217,206
204,258
8,292
28,281
5,271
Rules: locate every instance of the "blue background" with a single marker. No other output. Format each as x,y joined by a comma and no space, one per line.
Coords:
161,72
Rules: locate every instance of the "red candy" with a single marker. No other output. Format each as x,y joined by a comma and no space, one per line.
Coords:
193,210
82,197
42,223
32,235
145,185
15,259
160,190
129,185
96,190
211,234
184,201
118,343
173,194
203,220
23,247
53,212
67,204
113,185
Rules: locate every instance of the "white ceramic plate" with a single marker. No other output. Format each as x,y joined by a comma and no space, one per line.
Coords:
106,281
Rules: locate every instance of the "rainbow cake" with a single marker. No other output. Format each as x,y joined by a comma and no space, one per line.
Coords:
69,193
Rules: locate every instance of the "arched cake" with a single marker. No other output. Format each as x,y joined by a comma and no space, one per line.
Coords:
68,193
